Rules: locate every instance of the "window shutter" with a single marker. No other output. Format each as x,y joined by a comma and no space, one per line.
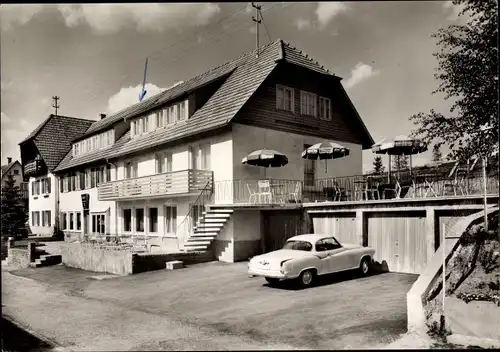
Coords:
49,185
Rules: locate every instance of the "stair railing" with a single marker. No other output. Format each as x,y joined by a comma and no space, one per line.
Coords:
187,226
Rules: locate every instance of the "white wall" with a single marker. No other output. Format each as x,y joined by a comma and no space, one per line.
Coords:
246,139
43,202
72,202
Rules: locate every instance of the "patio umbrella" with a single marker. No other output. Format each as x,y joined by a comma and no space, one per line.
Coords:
265,158
325,151
401,145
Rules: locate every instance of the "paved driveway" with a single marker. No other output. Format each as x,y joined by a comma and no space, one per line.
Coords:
341,311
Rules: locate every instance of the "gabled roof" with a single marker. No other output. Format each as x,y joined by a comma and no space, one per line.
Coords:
242,77
53,137
7,167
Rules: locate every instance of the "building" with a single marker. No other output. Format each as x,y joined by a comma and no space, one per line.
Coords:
41,152
142,173
15,169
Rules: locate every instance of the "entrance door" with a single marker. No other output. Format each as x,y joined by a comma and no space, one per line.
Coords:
280,226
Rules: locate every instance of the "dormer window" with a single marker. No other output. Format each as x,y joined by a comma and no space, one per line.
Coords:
93,143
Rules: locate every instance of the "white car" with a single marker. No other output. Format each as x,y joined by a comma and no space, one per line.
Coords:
307,256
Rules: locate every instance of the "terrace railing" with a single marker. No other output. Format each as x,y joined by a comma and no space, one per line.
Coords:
268,191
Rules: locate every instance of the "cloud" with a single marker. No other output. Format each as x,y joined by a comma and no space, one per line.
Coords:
110,18
327,11
360,73
13,131
130,96
452,11
11,15
302,23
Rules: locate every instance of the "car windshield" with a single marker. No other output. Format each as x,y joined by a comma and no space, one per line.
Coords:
298,245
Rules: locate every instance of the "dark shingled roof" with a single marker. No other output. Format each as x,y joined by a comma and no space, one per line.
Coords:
242,77
54,135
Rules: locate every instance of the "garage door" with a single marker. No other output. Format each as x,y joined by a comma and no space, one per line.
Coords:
340,226
279,226
399,240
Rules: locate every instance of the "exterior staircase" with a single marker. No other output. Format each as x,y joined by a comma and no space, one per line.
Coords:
207,229
47,260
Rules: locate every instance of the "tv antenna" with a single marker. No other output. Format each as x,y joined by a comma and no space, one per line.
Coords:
55,105
257,22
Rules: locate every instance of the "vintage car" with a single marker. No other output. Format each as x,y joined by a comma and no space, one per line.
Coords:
304,257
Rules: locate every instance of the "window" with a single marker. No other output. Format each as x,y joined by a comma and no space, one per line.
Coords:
46,218
71,221
159,119
35,218
139,220
64,219
308,103
170,219
73,181
93,177
130,169
36,187
325,108
298,245
327,244
168,113
108,173
145,124
309,170
127,220
182,111
200,157
163,162
16,172
78,221
99,224
153,219
284,98
172,113
88,176
82,178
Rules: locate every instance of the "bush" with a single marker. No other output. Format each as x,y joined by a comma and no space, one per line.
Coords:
58,234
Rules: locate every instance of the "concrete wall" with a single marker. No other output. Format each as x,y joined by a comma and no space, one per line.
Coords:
84,257
43,202
477,319
223,246
249,138
246,233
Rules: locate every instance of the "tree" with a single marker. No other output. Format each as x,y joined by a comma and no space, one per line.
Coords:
436,153
378,166
14,214
468,72
400,162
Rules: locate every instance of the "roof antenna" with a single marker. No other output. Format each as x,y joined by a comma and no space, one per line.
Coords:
257,22
55,105
143,92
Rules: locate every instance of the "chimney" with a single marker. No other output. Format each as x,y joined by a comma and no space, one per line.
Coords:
103,116
9,160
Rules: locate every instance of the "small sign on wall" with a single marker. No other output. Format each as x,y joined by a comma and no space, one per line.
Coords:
85,203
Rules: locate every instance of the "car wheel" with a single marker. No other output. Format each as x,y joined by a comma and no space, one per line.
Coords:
272,280
306,278
364,267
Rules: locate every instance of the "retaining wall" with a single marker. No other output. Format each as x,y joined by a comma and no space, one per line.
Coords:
84,257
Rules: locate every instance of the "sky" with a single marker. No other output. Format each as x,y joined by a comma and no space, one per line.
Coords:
92,56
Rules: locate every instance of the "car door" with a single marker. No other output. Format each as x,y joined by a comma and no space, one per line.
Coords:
338,255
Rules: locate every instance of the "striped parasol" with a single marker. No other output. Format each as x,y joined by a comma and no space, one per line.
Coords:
325,151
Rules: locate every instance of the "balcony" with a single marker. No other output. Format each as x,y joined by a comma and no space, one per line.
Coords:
34,168
169,184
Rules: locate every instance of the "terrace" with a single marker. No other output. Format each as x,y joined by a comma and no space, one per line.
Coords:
420,184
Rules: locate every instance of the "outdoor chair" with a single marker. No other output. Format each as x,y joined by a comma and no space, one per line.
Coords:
396,190
371,190
253,195
295,194
455,181
265,190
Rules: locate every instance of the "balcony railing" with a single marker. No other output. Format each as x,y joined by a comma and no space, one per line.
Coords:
33,168
159,185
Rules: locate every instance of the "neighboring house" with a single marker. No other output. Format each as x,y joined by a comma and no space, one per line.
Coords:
41,152
142,169
16,170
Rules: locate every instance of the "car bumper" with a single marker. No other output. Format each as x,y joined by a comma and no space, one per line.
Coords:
275,274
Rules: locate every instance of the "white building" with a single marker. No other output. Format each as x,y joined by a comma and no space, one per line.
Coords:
148,170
